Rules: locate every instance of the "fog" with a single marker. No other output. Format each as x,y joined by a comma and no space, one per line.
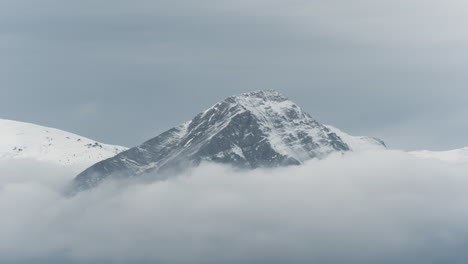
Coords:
371,207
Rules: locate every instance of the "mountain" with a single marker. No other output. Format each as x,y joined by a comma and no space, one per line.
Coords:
452,156
251,130
19,140
359,143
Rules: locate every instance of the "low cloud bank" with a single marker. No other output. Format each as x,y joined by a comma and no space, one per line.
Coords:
373,207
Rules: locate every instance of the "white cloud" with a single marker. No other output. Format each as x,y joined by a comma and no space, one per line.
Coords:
375,207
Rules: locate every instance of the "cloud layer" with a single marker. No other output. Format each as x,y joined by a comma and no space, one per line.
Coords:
374,207
385,68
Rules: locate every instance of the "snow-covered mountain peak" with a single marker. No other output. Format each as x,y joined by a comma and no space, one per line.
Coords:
251,130
264,95
29,141
276,120
258,102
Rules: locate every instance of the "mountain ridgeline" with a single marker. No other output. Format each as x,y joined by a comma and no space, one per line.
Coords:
26,141
251,130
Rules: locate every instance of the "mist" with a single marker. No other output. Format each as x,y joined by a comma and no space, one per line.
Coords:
370,207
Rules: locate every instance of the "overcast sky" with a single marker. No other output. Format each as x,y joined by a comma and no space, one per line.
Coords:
123,71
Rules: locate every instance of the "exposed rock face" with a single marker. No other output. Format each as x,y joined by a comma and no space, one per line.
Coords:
251,130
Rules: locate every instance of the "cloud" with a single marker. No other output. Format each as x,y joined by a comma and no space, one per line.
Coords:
375,207
365,66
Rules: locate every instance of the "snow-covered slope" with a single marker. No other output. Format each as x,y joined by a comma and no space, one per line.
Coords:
19,140
359,143
453,156
251,130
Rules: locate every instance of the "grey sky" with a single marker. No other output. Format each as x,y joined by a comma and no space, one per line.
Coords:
123,71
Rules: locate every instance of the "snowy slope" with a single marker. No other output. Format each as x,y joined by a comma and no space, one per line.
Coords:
19,140
359,143
453,156
251,130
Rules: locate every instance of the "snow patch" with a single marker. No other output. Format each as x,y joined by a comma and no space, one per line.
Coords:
20,140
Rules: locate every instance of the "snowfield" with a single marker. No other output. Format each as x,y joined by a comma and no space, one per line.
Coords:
20,140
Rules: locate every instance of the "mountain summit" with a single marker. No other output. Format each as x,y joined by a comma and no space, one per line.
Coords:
251,130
